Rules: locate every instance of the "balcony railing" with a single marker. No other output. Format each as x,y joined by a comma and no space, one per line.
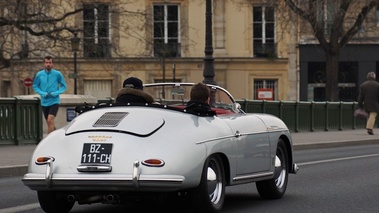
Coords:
167,50
267,50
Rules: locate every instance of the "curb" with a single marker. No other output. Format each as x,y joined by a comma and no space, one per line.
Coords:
333,144
12,171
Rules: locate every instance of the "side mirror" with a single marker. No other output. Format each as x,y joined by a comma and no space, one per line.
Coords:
237,108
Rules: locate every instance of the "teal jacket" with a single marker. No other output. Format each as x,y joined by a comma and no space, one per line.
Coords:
49,85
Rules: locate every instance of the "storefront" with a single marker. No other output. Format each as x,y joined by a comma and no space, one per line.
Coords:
356,61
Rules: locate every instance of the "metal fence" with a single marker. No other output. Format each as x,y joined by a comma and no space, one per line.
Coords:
21,119
308,116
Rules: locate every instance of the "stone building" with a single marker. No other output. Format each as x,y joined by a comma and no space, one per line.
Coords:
257,49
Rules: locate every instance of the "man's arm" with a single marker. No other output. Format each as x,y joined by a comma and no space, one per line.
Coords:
36,86
62,87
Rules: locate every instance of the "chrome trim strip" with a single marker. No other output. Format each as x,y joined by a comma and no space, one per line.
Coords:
94,168
231,136
253,176
174,180
219,138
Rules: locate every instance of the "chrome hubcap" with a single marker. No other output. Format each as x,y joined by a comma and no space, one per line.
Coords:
280,173
214,185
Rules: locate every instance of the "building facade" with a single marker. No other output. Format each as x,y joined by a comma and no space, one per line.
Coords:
159,41
356,59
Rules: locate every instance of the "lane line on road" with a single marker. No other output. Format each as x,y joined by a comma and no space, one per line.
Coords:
20,208
336,159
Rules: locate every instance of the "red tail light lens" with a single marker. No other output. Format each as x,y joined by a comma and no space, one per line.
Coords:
44,160
153,162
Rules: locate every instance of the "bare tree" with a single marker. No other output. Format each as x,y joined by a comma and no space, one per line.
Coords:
333,24
31,26
344,18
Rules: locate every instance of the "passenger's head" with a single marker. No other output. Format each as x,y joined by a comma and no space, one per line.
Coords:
200,92
371,75
134,83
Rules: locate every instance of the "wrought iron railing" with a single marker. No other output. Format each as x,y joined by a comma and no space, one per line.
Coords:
21,119
308,116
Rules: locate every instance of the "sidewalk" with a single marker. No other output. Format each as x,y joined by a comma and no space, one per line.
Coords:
14,160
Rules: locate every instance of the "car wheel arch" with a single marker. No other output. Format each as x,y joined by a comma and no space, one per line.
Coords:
226,164
287,143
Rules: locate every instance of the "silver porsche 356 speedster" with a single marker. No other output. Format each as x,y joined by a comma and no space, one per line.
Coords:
112,153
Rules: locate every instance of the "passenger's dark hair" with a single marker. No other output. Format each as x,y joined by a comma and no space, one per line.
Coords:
200,92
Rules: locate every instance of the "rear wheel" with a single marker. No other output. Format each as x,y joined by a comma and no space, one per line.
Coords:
276,187
52,202
210,194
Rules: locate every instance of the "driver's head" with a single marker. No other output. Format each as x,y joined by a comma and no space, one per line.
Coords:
134,83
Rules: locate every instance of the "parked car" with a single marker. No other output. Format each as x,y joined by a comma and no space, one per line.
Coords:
111,152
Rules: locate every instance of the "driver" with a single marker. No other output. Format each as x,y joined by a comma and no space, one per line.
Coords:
132,92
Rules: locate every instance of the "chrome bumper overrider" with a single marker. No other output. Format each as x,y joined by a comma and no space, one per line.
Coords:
295,168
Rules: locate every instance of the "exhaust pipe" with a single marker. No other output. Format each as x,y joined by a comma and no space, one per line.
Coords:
111,198
71,198
91,199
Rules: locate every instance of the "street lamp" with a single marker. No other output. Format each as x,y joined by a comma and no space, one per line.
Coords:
208,71
75,48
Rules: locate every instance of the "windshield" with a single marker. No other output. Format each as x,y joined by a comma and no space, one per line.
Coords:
179,94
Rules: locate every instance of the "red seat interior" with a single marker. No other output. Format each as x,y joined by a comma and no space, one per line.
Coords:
217,110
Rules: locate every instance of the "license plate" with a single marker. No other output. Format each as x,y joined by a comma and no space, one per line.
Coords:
97,153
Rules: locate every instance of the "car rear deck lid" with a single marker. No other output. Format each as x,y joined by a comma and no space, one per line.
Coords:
134,121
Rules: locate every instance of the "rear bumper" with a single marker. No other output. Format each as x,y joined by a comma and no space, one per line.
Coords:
88,182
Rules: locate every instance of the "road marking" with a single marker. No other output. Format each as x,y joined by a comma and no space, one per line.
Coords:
20,208
336,159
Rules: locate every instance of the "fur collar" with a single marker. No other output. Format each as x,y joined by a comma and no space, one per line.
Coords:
129,91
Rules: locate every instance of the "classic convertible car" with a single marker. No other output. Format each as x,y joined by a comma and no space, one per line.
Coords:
115,153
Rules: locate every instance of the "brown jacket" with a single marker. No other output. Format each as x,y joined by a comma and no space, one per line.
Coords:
368,98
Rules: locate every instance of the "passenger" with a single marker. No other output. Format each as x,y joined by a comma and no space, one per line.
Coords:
200,97
132,92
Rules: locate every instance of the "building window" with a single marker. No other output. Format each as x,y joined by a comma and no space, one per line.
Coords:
265,89
377,16
166,30
325,14
96,38
264,31
347,81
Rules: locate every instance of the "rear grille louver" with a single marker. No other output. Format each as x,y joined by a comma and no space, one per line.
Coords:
110,119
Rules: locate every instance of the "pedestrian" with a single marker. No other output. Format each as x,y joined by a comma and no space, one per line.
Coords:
199,100
132,92
368,100
49,84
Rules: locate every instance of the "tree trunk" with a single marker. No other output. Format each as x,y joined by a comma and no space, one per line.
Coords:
331,72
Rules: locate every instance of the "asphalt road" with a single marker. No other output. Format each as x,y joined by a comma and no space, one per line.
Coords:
340,179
